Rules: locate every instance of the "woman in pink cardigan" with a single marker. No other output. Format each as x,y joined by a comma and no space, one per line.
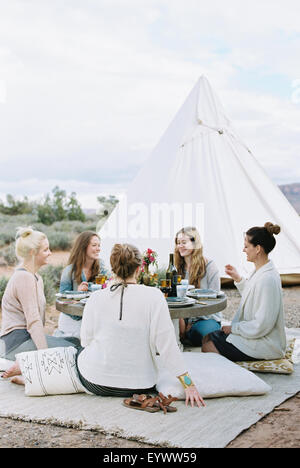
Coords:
23,303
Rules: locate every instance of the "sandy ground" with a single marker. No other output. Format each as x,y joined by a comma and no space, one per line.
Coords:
279,429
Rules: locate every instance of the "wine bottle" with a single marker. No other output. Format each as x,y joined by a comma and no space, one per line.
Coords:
171,274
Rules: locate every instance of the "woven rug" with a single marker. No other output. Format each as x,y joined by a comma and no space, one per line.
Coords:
214,426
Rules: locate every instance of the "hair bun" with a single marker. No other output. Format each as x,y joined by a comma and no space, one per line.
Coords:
272,228
124,260
24,232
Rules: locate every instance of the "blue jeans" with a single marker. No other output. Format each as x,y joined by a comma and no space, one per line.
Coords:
200,329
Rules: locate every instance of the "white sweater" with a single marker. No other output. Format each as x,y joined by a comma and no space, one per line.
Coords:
121,353
258,326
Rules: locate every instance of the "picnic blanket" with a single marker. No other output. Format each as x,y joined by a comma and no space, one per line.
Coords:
214,426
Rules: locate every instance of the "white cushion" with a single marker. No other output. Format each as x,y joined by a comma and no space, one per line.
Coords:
5,364
214,376
50,371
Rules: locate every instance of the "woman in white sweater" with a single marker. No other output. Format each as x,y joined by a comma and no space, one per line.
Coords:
123,328
257,330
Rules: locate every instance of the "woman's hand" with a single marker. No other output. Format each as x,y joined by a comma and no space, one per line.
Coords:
226,329
232,272
83,286
192,395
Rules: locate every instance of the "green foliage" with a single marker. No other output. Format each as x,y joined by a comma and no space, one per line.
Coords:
45,212
51,278
59,240
75,212
3,284
61,234
56,208
59,208
8,225
59,203
16,207
9,255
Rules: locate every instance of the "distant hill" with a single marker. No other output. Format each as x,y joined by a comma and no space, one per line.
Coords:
292,193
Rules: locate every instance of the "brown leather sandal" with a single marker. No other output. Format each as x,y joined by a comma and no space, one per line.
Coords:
165,403
143,403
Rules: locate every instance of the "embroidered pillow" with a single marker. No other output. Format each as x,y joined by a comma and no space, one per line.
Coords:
275,366
214,376
50,371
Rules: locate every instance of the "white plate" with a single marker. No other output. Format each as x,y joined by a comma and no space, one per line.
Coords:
72,296
205,294
175,300
186,303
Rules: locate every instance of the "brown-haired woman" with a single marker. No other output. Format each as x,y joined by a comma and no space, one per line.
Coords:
123,329
257,330
201,273
83,267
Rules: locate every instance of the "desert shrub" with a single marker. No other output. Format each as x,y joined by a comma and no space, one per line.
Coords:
16,207
3,283
9,225
7,235
59,207
51,278
9,255
59,240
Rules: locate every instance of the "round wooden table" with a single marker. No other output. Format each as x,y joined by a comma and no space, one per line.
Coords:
208,307
205,307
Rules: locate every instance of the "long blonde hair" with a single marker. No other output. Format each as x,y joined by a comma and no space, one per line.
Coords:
198,262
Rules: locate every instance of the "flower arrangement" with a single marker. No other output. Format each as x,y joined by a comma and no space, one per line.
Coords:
149,258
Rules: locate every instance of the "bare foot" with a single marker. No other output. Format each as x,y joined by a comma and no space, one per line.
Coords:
12,371
18,380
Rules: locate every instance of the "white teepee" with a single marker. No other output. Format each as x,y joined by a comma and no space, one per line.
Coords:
202,174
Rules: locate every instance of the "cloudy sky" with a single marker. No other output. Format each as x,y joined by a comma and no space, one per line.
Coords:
87,87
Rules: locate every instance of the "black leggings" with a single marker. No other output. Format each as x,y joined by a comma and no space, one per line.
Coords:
109,391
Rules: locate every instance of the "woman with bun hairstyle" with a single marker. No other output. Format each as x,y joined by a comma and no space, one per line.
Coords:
83,267
23,303
257,330
123,328
201,273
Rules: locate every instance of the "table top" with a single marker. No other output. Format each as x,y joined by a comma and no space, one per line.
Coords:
208,307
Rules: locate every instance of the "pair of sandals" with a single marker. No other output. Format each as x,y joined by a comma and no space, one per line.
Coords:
146,402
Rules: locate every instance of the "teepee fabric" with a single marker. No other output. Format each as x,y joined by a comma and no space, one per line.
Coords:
202,174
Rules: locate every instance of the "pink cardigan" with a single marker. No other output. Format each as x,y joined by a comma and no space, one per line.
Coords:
23,306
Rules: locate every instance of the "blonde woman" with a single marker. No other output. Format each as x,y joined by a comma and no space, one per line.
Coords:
83,267
201,273
23,303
